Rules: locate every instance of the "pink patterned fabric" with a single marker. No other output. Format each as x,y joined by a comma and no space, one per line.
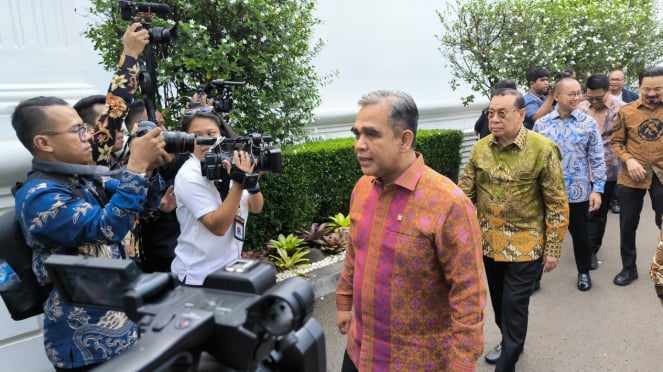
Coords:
414,274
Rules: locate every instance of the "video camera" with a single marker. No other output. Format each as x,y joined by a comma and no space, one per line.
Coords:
269,159
240,315
222,92
143,13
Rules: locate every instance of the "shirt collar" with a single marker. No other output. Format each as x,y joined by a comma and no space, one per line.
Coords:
519,141
575,114
411,176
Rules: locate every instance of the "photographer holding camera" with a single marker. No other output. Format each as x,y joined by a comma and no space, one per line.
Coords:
70,207
212,226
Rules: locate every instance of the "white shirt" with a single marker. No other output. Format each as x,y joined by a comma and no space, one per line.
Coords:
199,252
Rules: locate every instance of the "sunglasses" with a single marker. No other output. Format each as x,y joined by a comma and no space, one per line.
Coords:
190,112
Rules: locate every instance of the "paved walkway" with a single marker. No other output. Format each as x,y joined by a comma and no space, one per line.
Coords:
609,328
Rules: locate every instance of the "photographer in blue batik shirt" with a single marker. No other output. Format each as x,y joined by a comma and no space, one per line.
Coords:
70,207
583,163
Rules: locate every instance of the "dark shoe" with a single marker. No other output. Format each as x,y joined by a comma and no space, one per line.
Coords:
494,355
536,285
625,277
584,282
614,207
595,262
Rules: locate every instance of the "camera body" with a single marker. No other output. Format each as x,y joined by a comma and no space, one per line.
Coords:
268,158
143,13
176,142
222,92
241,316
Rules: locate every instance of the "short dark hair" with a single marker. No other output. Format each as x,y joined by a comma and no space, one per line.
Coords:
567,72
505,84
85,107
136,109
598,81
404,113
520,100
537,73
225,130
29,118
650,72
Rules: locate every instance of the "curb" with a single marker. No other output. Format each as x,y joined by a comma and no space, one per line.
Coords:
323,280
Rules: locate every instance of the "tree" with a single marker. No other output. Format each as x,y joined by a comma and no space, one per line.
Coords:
485,41
262,42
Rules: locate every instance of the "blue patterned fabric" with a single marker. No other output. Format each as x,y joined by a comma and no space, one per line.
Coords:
579,139
55,221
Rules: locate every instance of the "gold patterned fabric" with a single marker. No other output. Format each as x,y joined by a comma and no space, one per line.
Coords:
656,269
520,196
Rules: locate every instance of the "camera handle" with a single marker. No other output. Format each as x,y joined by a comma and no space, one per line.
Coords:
146,81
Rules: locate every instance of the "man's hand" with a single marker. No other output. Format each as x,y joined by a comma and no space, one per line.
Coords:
135,41
168,201
550,263
343,319
594,201
635,170
147,152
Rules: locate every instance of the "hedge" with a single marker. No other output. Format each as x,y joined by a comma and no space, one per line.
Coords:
318,178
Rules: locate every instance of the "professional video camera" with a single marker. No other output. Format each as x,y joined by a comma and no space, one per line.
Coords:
240,315
269,159
143,13
222,92
176,142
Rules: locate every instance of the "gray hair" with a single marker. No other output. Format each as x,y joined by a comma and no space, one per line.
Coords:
404,113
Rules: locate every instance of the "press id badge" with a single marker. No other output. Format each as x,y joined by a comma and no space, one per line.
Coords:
239,228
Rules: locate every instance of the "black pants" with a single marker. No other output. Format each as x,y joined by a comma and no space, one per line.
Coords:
578,217
631,201
510,286
348,365
599,218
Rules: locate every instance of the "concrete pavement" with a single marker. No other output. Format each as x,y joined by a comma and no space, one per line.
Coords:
609,328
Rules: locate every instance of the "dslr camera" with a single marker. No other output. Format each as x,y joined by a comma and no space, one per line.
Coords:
176,142
240,316
222,92
143,13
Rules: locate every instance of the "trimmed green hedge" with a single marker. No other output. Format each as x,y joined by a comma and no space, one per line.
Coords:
318,178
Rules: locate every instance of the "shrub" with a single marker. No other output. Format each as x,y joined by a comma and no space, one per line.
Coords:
266,43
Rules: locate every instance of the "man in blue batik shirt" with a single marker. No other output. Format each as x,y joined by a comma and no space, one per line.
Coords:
538,101
87,214
578,137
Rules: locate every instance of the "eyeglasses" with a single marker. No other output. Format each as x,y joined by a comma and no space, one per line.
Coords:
82,132
593,98
572,95
502,114
190,112
615,80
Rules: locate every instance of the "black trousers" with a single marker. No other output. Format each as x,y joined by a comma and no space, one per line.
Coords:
599,218
631,201
510,286
578,218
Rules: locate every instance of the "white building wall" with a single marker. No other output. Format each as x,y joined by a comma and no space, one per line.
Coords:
374,44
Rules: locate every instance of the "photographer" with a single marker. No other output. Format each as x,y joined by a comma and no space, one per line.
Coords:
68,208
212,226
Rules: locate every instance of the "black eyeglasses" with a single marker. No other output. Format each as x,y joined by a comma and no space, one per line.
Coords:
82,132
502,114
190,112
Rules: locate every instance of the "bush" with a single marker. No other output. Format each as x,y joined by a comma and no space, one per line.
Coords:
318,178
262,42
